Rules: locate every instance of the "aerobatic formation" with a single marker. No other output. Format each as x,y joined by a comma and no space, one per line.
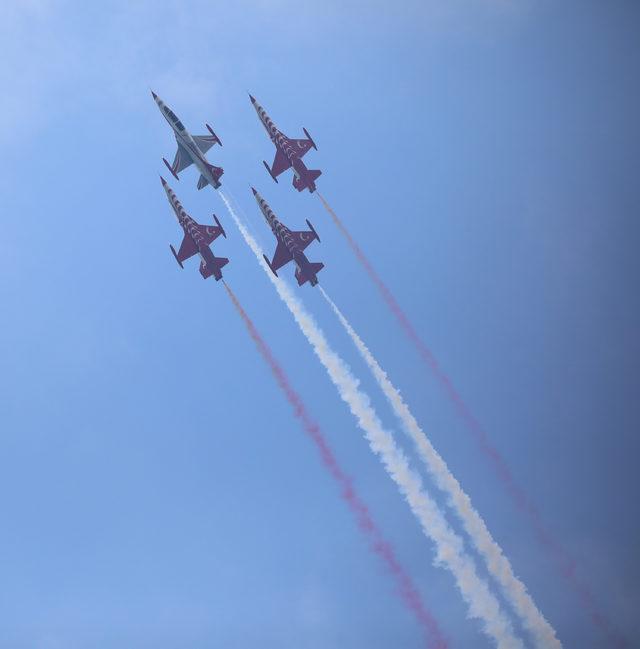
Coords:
451,553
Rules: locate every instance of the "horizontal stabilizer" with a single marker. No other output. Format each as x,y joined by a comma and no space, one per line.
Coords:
307,181
310,273
314,174
202,182
215,172
213,267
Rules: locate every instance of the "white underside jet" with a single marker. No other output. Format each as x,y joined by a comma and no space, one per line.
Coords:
191,149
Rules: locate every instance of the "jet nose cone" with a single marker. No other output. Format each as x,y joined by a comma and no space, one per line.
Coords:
254,191
154,95
253,99
164,182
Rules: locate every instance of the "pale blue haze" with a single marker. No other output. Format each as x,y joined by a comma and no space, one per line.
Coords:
155,490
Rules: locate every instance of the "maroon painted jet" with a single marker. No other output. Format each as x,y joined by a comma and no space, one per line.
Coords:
196,239
289,153
290,246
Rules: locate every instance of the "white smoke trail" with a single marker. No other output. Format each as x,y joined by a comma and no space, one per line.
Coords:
450,551
497,564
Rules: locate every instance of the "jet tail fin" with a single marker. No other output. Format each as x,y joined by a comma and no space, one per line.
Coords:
310,274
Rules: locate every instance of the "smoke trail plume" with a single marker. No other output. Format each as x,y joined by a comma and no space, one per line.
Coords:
522,501
380,546
497,564
450,551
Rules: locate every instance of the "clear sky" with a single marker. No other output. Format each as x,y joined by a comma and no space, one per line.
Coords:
155,490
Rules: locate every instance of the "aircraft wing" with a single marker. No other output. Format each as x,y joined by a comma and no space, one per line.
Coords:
209,232
301,146
205,142
188,248
303,238
280,163
182,160
281,257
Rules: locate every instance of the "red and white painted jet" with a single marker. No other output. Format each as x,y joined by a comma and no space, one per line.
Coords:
197,239
291,246
289,153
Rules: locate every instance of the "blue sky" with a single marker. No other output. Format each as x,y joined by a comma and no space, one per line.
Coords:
155,490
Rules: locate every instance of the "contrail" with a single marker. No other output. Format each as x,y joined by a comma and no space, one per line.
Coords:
380,546
497,564
522,501
450,552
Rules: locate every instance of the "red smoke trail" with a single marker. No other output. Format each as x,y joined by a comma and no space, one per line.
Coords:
381,547
566,563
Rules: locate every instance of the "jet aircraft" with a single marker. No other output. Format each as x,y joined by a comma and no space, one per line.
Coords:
289,153
196,239
191,149
290,246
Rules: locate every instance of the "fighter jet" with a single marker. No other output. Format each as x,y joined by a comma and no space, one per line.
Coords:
196,239
289,153
290,246
191,149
